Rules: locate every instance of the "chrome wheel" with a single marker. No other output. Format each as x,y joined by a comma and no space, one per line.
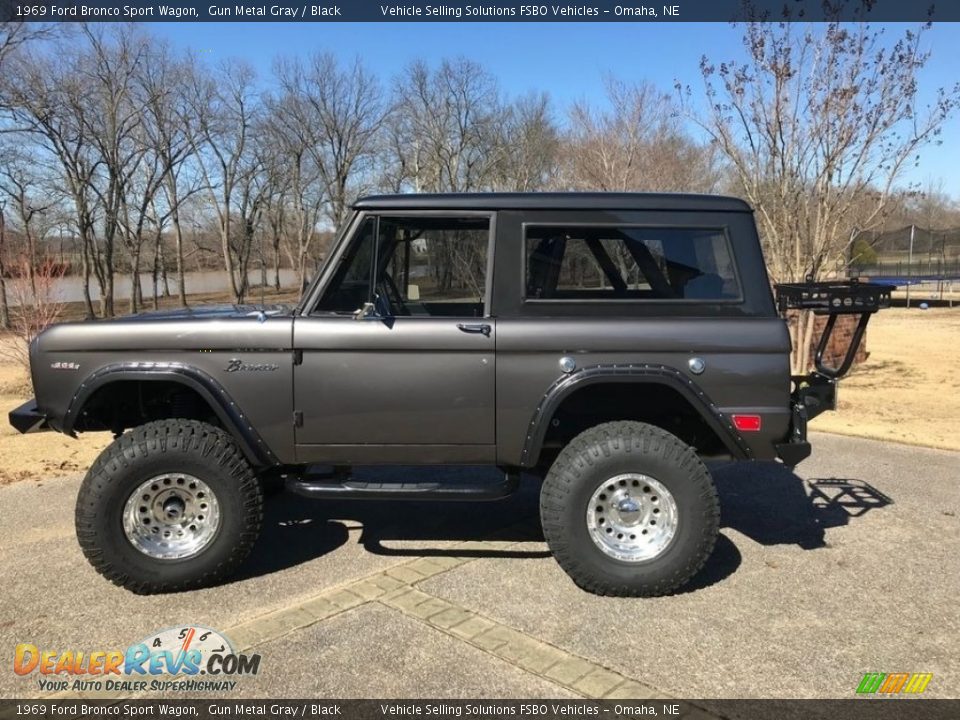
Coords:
632,517
171,516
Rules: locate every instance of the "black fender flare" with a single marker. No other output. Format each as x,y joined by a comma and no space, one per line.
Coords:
639,373
234,421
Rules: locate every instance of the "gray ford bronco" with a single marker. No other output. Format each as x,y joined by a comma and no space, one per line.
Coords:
608,343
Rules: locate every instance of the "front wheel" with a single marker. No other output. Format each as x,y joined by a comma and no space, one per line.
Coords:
171,505
629,509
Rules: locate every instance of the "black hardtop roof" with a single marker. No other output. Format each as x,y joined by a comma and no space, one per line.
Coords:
553,201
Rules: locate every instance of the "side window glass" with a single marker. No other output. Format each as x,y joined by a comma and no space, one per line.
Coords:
433,266
610,263
350,287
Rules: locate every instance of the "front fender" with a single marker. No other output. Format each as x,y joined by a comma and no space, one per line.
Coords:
233,419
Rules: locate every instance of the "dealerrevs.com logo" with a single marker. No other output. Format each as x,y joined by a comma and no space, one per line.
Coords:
190,658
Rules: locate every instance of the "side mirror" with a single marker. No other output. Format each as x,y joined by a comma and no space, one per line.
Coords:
379,309
367,312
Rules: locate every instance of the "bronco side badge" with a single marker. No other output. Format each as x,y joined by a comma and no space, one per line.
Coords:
236,364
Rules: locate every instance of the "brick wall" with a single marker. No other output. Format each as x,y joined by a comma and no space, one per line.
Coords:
839,341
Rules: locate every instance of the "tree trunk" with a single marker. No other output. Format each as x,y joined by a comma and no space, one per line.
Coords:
87,303
163,268
228,257
178,236
4,307
276,263
181,280
106,297
31,260
136,291
138,284
302,264
801,335
156,269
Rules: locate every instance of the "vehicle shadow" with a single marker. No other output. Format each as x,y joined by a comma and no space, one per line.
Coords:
297,529
767,502
770,504
291,536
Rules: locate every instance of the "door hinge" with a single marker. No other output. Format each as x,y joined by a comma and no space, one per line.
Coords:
298,357
298,418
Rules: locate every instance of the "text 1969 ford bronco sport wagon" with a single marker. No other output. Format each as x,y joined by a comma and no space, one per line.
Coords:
609,343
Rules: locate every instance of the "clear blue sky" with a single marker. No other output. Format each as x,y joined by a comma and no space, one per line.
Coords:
567,60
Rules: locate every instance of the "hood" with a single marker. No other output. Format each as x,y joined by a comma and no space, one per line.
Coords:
204,327
206,312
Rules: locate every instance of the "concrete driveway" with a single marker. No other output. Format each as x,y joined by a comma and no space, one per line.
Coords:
852,565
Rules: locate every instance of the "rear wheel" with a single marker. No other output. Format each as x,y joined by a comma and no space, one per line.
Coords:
629,509
171,505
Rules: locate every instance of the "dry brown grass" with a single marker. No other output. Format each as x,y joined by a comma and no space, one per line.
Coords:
908,391
39,455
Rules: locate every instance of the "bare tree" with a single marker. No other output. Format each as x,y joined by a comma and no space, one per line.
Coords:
114,123
348,105
276,201
443,133
138,203
635,143
252,191
14,35
46,100
35,311
23,185
292,132
322,129
4,301
933,208
169,125
530,140
817,124
225,108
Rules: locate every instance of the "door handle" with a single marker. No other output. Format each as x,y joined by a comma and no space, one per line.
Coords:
475,328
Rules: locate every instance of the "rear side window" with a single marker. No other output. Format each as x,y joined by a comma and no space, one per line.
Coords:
582,262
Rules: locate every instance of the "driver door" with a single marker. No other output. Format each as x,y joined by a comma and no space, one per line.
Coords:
397,354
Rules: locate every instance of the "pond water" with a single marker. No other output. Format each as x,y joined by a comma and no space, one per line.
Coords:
70,288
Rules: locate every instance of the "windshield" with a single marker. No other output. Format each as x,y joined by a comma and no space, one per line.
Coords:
321,268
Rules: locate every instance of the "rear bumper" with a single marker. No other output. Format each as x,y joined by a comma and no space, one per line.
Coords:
792,453
27,418
796,448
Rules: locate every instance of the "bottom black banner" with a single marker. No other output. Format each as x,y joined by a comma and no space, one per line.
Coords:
854,709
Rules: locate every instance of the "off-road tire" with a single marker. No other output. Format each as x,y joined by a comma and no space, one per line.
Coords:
168,446
608,450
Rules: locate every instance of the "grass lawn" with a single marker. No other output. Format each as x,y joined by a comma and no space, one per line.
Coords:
909,388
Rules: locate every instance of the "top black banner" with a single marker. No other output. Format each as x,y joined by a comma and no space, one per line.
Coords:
617,11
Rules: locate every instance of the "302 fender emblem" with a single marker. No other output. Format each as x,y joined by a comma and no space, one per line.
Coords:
236,365
64,366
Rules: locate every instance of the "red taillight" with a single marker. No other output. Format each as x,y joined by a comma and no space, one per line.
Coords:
747,423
